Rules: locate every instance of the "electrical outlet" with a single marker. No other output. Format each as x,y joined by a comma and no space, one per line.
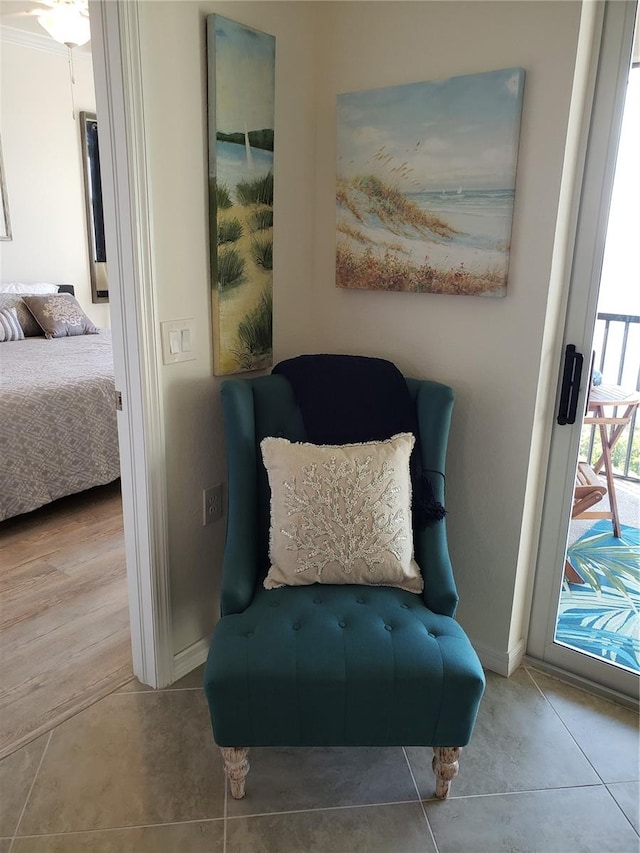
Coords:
211,504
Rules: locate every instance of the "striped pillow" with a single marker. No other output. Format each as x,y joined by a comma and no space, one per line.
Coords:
10,328
30,325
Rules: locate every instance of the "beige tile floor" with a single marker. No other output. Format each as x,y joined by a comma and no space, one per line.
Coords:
550,768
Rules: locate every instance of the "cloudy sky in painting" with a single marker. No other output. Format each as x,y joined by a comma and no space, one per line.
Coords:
244,75
432,136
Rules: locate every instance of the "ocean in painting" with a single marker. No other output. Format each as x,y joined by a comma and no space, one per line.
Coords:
232,166
481,218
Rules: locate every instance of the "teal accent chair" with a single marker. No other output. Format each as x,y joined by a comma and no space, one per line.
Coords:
324,665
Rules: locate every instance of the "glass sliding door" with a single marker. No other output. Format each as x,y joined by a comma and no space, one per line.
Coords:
586,606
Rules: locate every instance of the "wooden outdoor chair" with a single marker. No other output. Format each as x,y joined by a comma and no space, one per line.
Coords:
588,491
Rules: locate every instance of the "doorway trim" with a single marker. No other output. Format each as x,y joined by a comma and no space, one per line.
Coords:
116,52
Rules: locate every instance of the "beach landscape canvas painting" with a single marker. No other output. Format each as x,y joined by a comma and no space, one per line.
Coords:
241,91
425,184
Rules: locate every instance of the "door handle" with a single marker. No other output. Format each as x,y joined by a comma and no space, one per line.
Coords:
571,376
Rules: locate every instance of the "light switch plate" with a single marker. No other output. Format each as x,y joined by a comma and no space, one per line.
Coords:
177,340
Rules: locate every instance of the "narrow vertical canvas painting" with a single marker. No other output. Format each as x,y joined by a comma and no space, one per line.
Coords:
426,181
241,86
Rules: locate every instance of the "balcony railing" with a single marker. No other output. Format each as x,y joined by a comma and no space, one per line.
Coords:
617,347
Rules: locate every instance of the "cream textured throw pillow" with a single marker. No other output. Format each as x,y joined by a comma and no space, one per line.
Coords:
341,514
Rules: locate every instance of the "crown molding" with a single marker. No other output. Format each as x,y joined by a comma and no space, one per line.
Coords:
13,35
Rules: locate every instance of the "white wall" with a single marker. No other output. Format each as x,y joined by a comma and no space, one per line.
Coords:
43,169
174,81
487,349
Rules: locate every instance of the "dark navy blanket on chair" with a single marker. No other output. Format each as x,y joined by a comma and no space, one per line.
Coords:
347,399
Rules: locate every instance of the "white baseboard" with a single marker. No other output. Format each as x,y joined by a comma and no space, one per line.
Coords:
502,662
190,658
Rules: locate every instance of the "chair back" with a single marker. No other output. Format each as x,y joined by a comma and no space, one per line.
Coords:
265,406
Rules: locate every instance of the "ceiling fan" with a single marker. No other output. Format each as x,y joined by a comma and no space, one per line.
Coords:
66,21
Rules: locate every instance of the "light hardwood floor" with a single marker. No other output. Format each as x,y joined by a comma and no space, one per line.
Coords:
64,621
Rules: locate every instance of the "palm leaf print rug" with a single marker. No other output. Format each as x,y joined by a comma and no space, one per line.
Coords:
602,616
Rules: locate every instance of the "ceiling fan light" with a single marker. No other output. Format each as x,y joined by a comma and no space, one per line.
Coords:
66,25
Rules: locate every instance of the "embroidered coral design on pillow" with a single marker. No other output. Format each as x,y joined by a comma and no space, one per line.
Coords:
344,512
341,514
62,310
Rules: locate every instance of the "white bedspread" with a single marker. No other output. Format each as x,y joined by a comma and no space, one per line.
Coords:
58,432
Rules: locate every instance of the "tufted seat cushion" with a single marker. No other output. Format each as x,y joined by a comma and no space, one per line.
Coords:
336,665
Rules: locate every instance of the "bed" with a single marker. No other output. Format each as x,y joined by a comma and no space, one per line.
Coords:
58,430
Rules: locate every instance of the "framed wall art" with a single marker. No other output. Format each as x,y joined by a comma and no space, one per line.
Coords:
94,213
426,182
241,81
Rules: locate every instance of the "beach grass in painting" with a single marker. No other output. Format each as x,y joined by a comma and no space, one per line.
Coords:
241,64
426,182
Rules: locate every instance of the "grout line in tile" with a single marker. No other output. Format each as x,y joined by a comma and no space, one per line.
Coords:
584,688
119,828
424,811
559,716
621,809
272,814
38,733
33,782
556,788
323,809
532,672
409,802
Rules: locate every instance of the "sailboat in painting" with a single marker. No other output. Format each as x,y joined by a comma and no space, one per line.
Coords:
247,146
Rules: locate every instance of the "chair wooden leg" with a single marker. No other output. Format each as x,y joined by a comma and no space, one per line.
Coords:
570,573
236,768
445,766
607,444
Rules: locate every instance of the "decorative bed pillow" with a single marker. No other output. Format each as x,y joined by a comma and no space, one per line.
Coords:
60,315
20,287
26,319
341,514
10,328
